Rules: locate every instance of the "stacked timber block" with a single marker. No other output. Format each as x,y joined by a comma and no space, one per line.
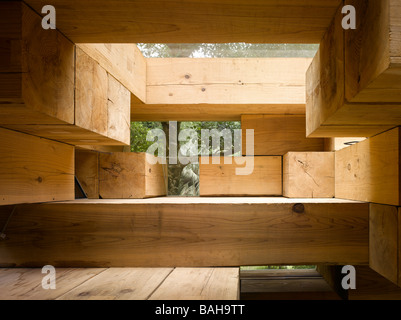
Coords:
186,232
34,169
129,175
354,82
308,175
120,175
274,136
221,179
278,134
370,170
51,88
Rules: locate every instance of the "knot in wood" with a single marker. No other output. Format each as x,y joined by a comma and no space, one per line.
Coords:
298,208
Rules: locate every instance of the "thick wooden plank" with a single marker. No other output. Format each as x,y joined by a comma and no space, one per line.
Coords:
34,169
226,81
26,284
372,286
370,170
87,171
70,134
373,53
120,284
38,69
208,112
102,103
221,179
256,21
353,85
277,135
308,175
200,232
199,284
125,175
123,61
383,241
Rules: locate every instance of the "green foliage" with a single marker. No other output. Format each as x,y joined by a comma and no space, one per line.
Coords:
227,50
139,131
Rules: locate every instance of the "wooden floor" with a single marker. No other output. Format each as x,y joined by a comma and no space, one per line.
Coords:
122,284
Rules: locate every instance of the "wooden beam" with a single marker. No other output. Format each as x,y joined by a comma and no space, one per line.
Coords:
226,81
102,103
36,72
384,242
101,109
278,134
34,169
258,21
308,175
373,54
353,86
190,232
209,112
124,62
370,170
52,89
265,178
129,175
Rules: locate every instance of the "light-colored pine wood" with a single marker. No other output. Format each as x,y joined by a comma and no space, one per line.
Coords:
199,232
373,53
123,61
308,175
369,170
70,134
37,71
278,134
257,21
127,175
226,81
87,171
353,85
222,180
34,169
26,284
120,284
208,112
102,103
199,284
383,241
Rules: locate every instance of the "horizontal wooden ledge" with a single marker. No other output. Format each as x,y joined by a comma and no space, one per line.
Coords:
209,200
208,112
186,232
